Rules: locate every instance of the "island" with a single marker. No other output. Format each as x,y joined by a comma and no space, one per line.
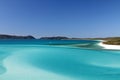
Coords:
112,41
4,36
55,38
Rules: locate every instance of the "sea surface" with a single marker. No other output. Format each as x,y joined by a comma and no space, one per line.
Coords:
57,60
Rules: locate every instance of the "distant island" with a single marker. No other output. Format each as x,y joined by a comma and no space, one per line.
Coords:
55,38
3,36
108,40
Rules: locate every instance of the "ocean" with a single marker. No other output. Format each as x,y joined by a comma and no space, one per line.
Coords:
57,60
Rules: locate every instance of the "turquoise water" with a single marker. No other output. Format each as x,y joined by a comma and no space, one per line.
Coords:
57,60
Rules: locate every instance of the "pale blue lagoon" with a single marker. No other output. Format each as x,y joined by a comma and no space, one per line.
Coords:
57,60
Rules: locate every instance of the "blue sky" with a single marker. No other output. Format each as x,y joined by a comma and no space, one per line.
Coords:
72,18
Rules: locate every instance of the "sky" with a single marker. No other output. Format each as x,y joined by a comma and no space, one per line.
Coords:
72,18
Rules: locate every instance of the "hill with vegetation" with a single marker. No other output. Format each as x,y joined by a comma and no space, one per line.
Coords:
2,36
55,38
112,41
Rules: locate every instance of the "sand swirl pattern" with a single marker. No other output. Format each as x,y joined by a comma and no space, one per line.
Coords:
45,62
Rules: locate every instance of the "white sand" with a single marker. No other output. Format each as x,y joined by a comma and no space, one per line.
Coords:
18,69
106,46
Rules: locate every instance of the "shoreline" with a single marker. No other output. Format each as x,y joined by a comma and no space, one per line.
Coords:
107,46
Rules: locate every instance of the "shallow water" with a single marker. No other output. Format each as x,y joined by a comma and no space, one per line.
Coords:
43,60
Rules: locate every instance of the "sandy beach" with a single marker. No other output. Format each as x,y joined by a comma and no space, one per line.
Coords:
106,46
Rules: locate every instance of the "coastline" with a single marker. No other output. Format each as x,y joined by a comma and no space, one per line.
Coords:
106,46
